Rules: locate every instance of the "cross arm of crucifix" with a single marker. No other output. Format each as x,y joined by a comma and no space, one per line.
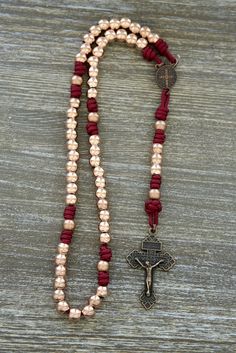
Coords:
147,264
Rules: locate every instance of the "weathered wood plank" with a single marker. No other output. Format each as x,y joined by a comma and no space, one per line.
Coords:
196,310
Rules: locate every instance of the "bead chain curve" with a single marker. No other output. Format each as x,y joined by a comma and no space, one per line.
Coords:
141,37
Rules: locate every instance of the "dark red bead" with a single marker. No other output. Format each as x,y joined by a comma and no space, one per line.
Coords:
103,278
75,91
105,253
159,137
80,68
155,182
92,128
92,105
66,236
69,212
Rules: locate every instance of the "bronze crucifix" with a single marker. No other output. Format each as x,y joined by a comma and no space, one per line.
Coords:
149,258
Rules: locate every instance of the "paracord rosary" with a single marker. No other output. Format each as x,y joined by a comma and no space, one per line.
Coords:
151,255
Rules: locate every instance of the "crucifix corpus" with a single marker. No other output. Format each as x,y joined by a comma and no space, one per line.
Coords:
150,257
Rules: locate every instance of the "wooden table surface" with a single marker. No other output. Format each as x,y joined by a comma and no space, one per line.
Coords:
196,299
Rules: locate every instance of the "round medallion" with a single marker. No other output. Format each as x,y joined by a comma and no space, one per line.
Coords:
166,76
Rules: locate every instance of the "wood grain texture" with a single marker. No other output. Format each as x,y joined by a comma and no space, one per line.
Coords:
196,308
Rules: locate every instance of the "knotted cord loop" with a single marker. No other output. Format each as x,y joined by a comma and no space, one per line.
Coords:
152,208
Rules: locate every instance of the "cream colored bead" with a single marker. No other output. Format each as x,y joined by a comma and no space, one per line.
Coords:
104,24
69,224
98,171
94,150
77,80
93,60
98,52
60,259
92,93
89,38
94,139
74,103
85,48
71,166
92,82
74,314
94,117
153,37
60,270
71,177
103,265
156,158
71,134
60,282
93,71
63,248
104,215
131,38
72,145
102,204
63,306
102,291
88,311
104,227
142,43
59,295
95,301
125,22
157,148
73,155
100,182
156,169
154,194
71,199
71,188
135,27
71,123
105,238
72,113
81,57
160,124
95,161
121,34
114,23
95,30
102,42
145,31
110,35
101,193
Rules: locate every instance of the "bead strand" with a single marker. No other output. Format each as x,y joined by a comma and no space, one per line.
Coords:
153,204
87,60
101,193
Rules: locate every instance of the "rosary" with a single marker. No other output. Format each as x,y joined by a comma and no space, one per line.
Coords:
151,255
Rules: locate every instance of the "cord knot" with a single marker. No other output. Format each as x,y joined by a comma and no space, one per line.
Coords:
105,253
92,128
103,278
152,208
92,105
